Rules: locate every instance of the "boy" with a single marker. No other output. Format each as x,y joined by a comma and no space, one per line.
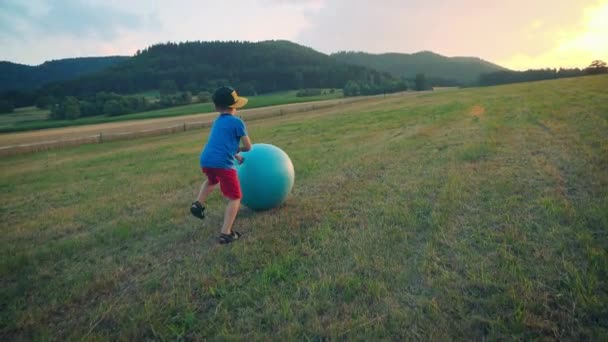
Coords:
218,156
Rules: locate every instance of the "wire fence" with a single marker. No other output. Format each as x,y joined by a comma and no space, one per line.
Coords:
103,137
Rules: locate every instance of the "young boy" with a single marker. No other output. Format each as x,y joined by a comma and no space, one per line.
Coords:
218,156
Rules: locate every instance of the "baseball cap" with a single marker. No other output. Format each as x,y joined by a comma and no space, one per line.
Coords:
228,98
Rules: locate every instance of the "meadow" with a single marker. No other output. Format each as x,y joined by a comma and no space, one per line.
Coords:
477,214
23,117
31,118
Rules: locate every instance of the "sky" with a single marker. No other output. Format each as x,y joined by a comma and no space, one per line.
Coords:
517,34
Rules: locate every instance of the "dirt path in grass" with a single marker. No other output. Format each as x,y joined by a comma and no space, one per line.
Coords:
76,132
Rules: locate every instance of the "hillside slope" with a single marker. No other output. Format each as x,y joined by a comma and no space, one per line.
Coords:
464,70
251,67
15,76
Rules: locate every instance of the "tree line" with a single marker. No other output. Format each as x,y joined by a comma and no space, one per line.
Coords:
112,104
200,66
194,67
506,77
14,76
181,71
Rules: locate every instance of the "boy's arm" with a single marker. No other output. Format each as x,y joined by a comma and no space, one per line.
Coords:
246,147
246,144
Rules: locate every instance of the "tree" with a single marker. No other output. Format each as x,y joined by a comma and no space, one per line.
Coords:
421,82
71,108
68,108
113,107
167,87
203,97
365,89
507,76
17,98
88,108
6,107
167,101
45,102
57,111
299,79
186,97
597,67
352,89
246,89
192,87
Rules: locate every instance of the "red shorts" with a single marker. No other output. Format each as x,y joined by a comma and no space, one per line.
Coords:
228,179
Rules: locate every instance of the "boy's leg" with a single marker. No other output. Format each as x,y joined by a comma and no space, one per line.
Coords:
205,191
230,215
198,207
231,188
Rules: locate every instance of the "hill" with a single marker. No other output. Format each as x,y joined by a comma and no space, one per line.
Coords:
15,76
259,67
437,68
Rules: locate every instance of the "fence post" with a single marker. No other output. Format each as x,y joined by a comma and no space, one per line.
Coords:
100,137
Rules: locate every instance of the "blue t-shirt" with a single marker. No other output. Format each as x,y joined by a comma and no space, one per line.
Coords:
223,143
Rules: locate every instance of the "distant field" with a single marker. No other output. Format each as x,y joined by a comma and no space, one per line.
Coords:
477,214
23,116
192,121
15,123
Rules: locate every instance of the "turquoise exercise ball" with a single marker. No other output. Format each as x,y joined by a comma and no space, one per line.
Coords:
266,176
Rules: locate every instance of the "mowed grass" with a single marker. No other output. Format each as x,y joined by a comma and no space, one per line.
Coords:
23,120
479,214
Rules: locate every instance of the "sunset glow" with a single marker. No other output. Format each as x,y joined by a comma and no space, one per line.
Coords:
571,49
517,34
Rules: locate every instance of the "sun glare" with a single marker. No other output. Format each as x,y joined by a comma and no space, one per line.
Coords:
595,39
574,50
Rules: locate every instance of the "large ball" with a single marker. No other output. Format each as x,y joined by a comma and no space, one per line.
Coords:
266,176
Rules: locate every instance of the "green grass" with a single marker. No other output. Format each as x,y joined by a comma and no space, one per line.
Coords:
410,220
23,116
27,122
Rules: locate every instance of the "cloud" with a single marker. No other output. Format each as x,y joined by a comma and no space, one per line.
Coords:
13,8
41,30
66,18
12,16
37,30
299,3
489,29
76,18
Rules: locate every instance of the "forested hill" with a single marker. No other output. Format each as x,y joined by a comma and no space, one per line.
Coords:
437,68
15,76
251,67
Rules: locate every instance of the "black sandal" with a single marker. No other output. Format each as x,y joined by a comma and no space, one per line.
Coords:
228,238
198,210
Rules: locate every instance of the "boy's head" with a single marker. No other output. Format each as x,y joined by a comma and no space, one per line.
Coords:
227,98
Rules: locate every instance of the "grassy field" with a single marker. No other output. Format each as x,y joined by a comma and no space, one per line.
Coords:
23,117
478,214
23,120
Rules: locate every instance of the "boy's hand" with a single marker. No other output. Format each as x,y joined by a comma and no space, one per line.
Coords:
239,158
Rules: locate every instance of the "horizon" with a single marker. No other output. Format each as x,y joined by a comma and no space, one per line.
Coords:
336,52
247,41
516,36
